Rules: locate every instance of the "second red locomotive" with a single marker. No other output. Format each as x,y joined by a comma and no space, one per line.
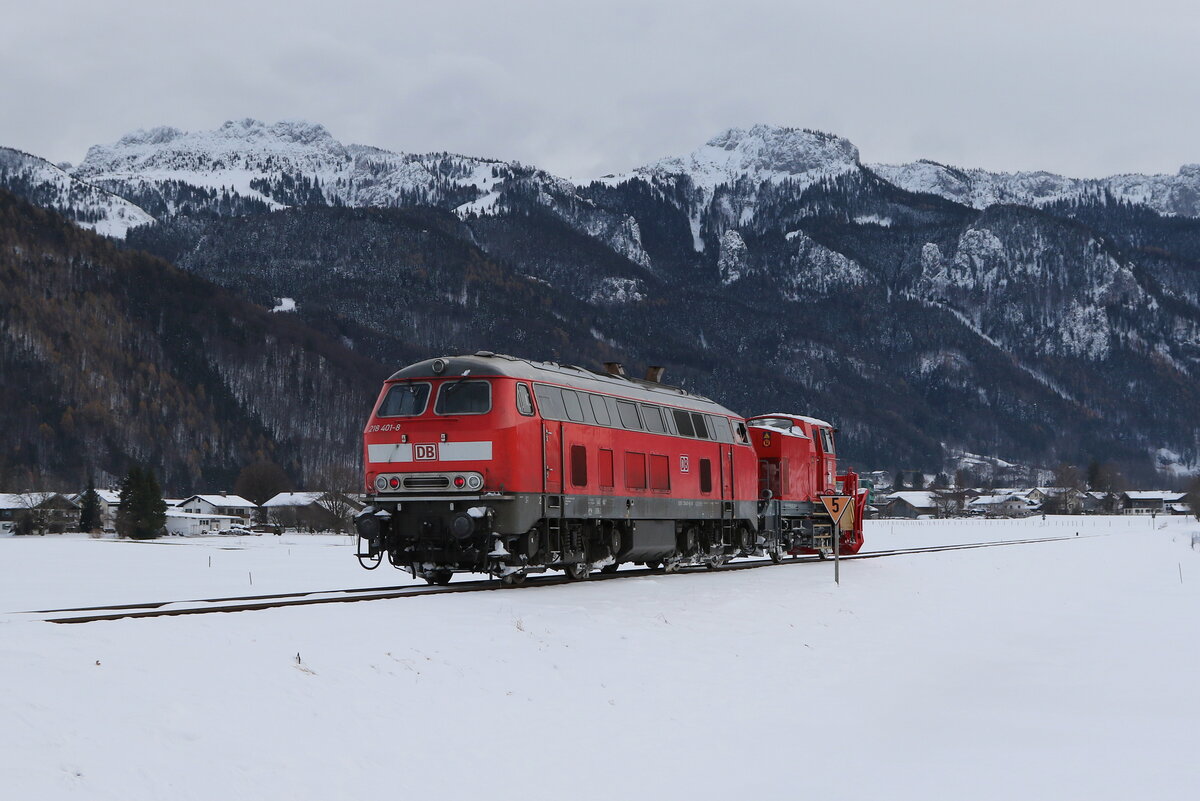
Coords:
494,464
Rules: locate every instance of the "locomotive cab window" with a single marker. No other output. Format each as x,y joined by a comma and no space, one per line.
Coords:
827,440
464,397
683,422
701,428
524,400
405,400
739,433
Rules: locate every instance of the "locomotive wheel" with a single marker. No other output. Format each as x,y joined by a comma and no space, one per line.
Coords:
512,579
614,541
579,571
655,565
531,542
713,562
439,577
745,540
690,536
609,569
776,555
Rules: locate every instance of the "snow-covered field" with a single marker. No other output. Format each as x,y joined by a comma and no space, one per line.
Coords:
1055,670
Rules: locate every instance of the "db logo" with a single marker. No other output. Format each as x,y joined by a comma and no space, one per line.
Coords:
425,453
683,464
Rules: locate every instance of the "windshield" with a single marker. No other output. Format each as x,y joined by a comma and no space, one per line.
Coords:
464,397
405,400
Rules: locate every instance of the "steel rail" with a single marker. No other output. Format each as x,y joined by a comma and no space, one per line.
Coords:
251,603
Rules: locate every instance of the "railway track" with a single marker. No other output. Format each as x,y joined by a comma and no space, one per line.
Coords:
249,603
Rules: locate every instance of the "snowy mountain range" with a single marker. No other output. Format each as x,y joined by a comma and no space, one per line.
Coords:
86,204
928,308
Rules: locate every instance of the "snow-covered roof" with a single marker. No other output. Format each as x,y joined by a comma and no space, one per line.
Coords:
918,498
810,420
995,500
1154,495
220,500
294,499
27,500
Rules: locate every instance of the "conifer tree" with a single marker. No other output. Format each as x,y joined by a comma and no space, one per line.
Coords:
89,511
898,484
142,513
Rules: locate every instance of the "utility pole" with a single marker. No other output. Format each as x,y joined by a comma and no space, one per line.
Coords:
837,554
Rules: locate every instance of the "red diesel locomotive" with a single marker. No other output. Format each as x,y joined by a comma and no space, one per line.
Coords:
489,463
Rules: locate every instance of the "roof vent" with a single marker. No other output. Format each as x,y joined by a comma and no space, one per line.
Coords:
614,368
654,373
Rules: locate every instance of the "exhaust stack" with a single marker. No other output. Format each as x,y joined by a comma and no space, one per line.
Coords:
655,374
614,368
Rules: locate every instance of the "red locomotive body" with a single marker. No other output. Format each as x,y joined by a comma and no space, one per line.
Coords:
500,465
797,466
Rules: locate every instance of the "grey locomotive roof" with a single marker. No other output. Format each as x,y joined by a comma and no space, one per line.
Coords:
485,364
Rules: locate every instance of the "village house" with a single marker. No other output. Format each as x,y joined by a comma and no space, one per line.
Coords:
1004,505
193,524
315,511
37,513
108,501
1150,502
222,504
911,504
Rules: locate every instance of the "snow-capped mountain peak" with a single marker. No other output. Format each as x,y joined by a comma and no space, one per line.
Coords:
759,153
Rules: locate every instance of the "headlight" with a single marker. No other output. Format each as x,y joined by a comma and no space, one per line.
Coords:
474,481
381,483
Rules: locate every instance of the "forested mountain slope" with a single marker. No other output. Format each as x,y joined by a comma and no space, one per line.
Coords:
109,356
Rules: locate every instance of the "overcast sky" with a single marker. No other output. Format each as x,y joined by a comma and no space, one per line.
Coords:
582,89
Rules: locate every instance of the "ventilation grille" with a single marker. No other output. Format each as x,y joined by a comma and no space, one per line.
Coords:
426,482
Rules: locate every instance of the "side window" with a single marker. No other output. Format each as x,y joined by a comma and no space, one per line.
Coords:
683,422
660,472
719,426
578,466
739,432
524,400
571,405
599,409
635,470
629,415
698,422
549,401
827,436
705,475
606,468
653,417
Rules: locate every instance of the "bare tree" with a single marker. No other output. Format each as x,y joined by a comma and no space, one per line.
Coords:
339,483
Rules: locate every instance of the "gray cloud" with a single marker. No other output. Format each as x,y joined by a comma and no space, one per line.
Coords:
1086,89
